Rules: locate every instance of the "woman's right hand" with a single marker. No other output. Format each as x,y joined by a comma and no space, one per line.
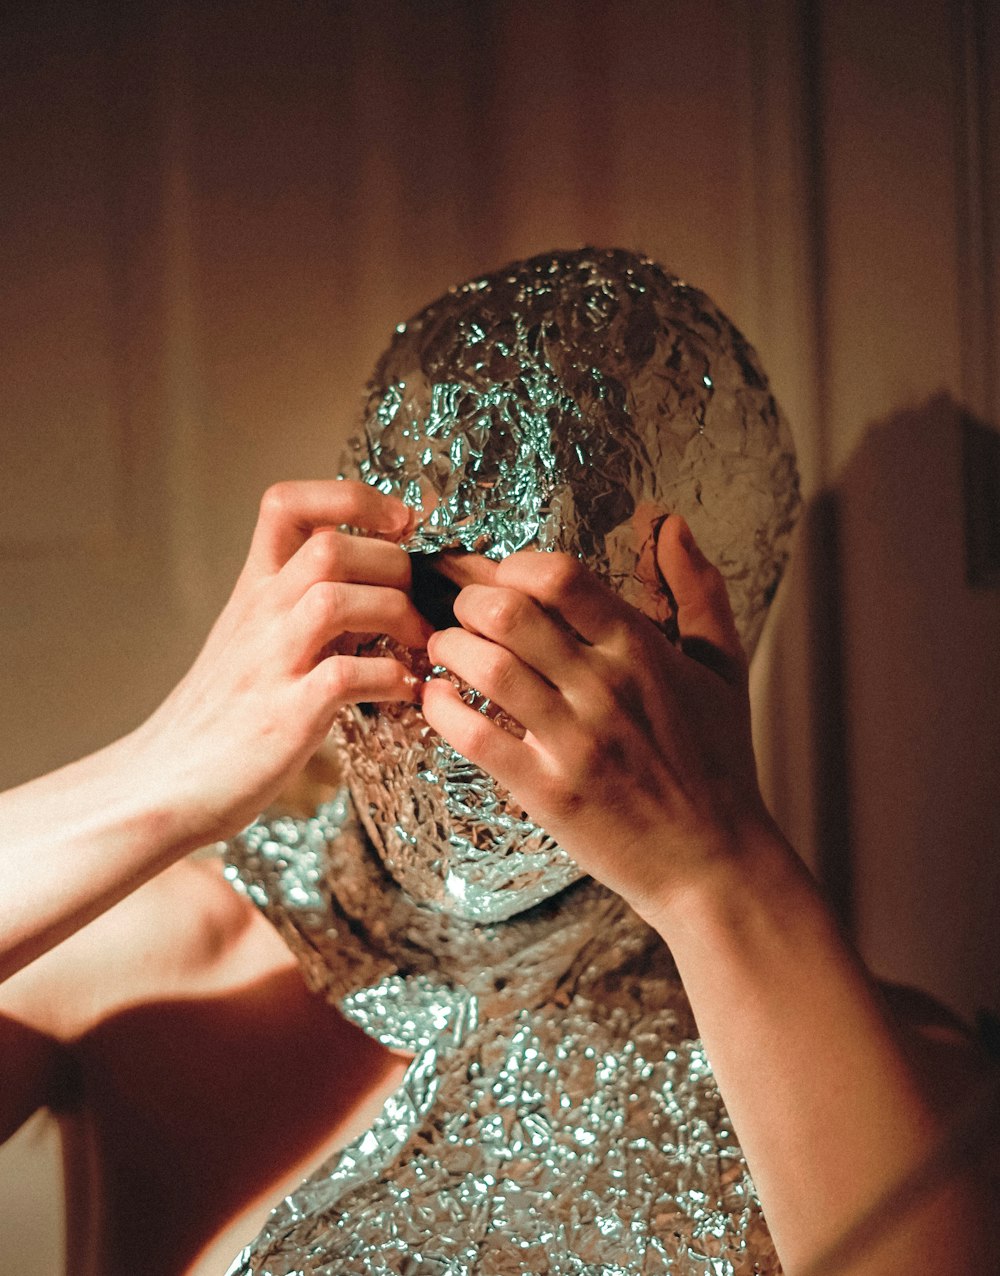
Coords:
262,695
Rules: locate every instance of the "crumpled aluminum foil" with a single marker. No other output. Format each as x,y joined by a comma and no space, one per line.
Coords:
559,1114
541,406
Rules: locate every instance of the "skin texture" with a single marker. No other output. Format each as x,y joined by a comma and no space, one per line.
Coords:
630,743
254,707
194,1078
637,758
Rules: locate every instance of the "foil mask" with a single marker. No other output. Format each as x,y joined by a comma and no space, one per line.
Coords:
559,1114
541,406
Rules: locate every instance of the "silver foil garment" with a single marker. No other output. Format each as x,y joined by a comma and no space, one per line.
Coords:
542,406
559,1115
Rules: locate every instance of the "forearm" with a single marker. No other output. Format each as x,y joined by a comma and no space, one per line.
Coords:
251,710
77,841
624,732
814,1077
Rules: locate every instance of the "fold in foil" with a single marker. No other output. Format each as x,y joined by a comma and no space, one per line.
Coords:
542,406
559,1114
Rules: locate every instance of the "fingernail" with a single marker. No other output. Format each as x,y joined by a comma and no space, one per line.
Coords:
685,537
398,519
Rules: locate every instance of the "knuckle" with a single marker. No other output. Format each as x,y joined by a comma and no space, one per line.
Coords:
560,572
276,501
472,737
336,679
397,609
499,671
325,550
354,490
502,611
563,797
325,542
324,601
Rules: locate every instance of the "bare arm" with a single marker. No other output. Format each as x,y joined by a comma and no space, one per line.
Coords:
257,702
638,759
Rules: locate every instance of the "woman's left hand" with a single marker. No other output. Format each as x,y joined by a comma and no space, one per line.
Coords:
637,756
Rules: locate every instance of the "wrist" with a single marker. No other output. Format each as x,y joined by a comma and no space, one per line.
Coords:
165,809
82,838
746,868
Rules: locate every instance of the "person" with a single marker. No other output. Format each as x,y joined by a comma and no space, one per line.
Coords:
590,717
194,1075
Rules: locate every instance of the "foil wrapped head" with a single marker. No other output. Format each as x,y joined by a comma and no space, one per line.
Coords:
542,406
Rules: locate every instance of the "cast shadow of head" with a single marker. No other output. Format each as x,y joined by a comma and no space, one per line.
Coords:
881,745
886,670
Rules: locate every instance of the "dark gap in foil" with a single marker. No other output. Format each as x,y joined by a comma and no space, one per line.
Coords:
433,594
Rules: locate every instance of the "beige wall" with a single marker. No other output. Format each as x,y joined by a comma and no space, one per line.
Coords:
214,215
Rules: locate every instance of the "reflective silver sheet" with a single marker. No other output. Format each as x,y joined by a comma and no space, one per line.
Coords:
543,405
559,1114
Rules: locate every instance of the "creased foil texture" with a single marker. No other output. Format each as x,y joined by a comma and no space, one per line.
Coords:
559,1115
541,406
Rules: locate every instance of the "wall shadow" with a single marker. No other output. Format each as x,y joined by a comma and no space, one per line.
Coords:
888,659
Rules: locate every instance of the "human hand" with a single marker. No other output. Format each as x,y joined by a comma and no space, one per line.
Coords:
262,694
637,756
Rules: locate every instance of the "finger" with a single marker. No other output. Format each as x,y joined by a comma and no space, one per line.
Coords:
482,742
340,680
463,568
501,676
330,555
330,608
516,622
290,512
439,578
658,603
563,585
704,615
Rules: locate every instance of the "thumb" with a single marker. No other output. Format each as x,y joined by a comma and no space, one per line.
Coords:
704,615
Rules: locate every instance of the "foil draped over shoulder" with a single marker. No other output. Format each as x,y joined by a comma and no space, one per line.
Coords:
559,1114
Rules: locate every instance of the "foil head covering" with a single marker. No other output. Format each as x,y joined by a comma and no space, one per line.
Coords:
543,405
559,1113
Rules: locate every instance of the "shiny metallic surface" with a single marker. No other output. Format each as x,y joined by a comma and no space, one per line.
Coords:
559,1114
542,406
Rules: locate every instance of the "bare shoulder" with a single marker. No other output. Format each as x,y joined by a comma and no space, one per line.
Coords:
959,1068
180,933
949,1056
